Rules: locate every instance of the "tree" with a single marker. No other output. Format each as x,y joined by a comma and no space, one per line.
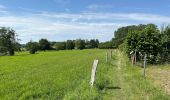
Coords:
44,44
121,33
145,41
32,47
80,44
92,43
149,42
70,45
7,40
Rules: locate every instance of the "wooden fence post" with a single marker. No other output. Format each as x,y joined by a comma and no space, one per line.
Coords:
93,74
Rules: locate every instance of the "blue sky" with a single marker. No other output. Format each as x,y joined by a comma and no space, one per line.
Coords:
59,20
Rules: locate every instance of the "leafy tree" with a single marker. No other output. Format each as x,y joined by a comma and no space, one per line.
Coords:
146,40
44,44
7,40
80,44
121,33
70,45
149,42
32,47
93,43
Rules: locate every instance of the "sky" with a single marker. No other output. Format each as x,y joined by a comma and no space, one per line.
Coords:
60,20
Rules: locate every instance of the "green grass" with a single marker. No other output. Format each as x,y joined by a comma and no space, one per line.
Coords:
65,75
45,75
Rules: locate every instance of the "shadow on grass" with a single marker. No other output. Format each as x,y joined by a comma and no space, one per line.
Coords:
112,87
108,87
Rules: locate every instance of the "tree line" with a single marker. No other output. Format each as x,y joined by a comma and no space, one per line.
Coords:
44,45
9,43
143,39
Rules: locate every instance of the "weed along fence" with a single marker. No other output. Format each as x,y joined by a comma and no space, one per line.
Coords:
94,68
134,61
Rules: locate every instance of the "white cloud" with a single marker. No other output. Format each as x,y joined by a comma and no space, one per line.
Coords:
149,18
62,26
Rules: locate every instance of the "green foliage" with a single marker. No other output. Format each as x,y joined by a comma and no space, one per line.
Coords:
70,44
80,44
121,33
120,36
148,39
32,47
7,40
165,41
93,43
44,44
149,42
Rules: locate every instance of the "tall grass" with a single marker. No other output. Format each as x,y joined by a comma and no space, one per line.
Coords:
47,75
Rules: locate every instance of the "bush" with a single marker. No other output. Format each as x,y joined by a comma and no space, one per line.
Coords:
32,47
44,44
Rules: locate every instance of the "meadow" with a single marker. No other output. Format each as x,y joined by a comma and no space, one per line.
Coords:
65,75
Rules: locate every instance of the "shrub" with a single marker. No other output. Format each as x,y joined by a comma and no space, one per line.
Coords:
32,47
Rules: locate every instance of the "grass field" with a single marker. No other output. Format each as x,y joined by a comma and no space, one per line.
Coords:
65,75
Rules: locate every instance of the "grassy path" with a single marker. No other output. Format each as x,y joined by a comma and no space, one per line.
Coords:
126,82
